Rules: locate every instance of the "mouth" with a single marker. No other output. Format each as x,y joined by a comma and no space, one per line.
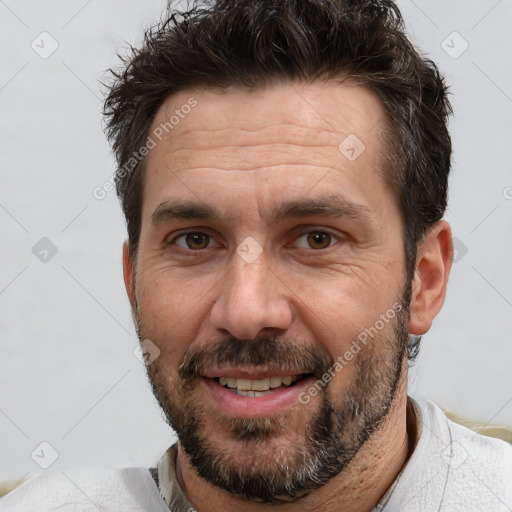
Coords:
253,394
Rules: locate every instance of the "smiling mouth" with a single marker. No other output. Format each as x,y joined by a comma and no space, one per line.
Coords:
260,387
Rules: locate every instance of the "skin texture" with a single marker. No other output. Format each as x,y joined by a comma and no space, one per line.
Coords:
246,154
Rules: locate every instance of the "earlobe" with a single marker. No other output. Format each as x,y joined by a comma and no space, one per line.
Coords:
433,264
128,274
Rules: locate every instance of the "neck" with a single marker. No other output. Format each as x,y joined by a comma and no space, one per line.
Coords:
359,487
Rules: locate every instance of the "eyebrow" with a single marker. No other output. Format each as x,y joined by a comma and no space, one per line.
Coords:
329,206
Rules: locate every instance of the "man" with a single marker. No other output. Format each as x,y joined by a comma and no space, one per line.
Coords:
283,167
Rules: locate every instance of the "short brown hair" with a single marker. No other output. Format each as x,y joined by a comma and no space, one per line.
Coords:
254,43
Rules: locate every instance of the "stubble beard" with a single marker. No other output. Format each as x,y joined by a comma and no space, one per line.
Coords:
270,467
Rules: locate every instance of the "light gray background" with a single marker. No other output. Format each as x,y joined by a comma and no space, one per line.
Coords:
68,375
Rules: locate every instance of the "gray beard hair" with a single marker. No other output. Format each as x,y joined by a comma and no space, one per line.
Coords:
336,432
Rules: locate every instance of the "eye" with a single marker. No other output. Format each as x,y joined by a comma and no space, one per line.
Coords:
316,240
194,240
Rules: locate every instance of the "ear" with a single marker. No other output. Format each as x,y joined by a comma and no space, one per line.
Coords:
128,274
433,264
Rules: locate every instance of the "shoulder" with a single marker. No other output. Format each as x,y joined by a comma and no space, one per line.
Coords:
84,490
472,445
478,467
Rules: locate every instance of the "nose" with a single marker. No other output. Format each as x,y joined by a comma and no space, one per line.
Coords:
251,298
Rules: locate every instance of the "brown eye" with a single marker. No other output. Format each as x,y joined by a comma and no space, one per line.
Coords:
319,240
197,240
193,240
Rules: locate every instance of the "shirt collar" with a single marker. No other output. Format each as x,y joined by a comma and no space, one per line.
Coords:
168,482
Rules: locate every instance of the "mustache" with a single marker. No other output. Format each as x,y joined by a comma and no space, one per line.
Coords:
272,353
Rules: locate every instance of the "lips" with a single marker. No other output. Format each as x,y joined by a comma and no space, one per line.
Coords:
254,393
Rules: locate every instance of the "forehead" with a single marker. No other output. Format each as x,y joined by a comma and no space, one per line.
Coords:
296,134
314,111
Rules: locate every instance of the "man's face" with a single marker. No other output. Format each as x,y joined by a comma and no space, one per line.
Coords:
266,250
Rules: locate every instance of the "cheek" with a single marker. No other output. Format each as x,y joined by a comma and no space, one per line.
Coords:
172,310
340,306
348,316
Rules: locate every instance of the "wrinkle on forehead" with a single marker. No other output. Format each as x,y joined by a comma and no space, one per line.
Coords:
318,114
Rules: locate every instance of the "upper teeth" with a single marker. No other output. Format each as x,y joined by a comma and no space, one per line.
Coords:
258,385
